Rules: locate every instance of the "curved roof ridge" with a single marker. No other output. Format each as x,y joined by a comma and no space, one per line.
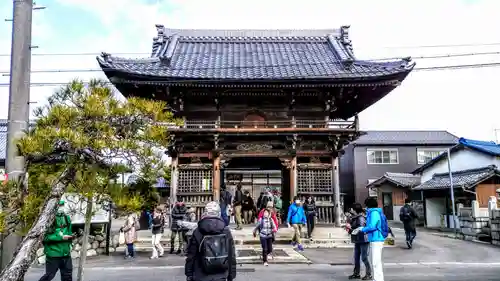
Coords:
480,169
249,33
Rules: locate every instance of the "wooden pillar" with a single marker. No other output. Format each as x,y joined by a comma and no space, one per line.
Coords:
216,178
293,177
336,190
174,176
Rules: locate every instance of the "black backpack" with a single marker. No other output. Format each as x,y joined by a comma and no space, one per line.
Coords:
404,214
214,251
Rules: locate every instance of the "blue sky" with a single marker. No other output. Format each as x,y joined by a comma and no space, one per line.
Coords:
464,102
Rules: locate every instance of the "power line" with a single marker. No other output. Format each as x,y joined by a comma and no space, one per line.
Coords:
432,68
383,47
440,56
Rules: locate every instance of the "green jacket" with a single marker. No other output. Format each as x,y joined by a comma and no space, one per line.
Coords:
54,245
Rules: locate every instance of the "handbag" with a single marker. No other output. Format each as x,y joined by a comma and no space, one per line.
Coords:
121,238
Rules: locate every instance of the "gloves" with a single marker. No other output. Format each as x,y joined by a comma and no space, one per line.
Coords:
356,231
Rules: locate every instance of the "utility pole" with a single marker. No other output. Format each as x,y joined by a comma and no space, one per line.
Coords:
19,93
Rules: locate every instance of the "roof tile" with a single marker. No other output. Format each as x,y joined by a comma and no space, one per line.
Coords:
406,138
401,179
248,55
461,179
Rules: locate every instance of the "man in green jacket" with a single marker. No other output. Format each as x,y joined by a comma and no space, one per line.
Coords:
57,247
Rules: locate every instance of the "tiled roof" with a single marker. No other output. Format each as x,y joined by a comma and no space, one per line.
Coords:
461,179
486,147
406,138
399,179
253,55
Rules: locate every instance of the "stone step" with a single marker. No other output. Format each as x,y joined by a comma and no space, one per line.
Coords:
245,254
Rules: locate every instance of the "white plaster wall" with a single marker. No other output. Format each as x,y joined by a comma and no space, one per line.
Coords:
461,160
434,208
396,210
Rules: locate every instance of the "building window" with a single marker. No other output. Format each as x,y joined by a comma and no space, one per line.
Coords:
425,155
382,156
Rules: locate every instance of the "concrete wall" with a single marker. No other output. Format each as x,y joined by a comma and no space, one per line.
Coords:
461,160
434,210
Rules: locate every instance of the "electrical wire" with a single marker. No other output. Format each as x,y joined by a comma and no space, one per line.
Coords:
431,68
383,47
439,56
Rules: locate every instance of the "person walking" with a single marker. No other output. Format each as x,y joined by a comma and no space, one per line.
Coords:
407,215
237,204
178,213
377,230
247,207
225,202
267,228
57,244
130,232
157,230
297,218
211,253
311,213
360,241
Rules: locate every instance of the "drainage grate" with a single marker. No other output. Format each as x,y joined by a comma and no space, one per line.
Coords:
258,253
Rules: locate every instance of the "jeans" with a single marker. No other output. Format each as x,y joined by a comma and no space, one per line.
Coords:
410,231
157,248
130,250
310,224
267,247
224,216
376,260
63,264
297,229
361,251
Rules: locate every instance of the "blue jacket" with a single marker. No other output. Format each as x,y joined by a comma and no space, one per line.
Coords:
296,215
373,225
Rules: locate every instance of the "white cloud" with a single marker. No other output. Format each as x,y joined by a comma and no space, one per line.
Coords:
462,101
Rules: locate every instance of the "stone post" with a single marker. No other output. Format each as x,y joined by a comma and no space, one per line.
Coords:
336,191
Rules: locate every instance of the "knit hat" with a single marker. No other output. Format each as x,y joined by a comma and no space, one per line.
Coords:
269,204
212,209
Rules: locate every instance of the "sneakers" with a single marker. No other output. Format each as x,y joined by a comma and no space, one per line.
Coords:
294,243
367,277
179,251
300,247
270,257
266,264
409,244
153,257
354,276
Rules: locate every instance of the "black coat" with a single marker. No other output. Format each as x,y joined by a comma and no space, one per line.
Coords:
310,208
358,221
178,214
193,268
158,225
248,204
238,198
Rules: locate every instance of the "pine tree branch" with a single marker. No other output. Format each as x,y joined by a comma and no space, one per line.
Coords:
26,251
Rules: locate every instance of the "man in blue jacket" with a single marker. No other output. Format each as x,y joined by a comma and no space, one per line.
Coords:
297,218
377,230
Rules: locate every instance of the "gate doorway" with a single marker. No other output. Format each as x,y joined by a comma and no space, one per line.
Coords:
256,175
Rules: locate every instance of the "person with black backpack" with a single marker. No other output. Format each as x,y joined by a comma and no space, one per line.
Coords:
211,253
377,231
407,215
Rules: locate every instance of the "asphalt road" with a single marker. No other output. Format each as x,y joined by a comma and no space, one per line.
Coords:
296,273
432,258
